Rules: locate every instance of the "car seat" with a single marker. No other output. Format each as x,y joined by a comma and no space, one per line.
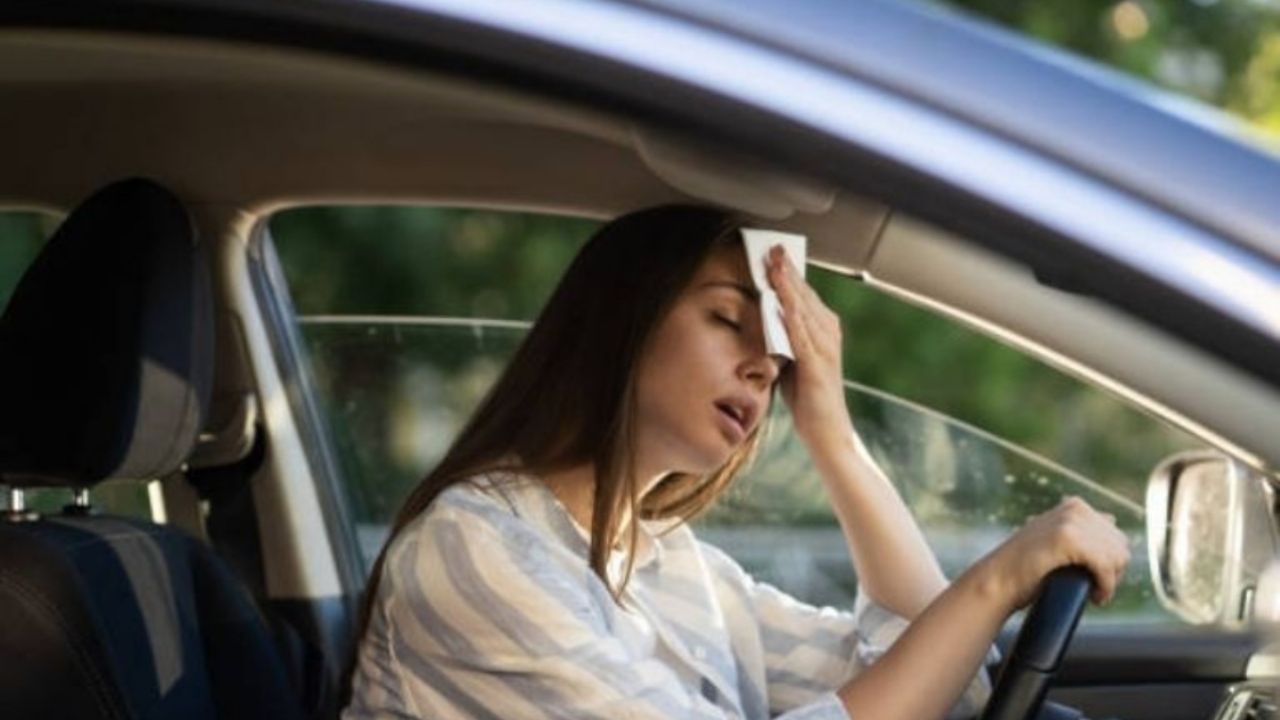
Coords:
105,370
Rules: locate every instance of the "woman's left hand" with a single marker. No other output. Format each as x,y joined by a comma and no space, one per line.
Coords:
813,386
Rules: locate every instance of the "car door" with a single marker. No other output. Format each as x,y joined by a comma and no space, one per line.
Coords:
1127,671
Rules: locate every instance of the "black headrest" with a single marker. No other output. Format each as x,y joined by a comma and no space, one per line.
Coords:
106,345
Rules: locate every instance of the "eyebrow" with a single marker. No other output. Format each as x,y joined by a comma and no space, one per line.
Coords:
747,292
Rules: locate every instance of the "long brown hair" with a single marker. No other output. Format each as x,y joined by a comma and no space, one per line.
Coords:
568,394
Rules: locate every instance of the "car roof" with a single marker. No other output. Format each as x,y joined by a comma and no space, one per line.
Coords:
1187,157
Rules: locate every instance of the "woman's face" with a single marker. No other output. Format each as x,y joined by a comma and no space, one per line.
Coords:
704,381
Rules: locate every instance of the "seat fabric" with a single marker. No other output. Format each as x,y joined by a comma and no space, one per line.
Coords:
105,370
119,618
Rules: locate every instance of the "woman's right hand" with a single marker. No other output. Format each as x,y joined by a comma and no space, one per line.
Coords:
1073,533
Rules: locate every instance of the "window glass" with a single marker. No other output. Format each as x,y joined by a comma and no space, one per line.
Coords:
976,436
967,488
22,235
409,314
396,392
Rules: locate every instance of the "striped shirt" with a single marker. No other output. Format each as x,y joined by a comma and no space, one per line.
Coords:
487,609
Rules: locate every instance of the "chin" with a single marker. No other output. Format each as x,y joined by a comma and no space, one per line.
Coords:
701,454
712,459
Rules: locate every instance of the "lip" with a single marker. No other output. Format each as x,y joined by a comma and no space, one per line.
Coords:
738,411
731,425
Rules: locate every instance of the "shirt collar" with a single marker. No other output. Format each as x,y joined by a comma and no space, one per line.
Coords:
532,499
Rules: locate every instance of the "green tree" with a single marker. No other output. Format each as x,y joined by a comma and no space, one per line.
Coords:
1222,52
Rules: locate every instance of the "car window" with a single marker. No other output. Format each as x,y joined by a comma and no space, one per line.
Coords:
22,235
408,314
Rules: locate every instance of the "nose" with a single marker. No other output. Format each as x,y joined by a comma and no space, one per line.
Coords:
763,368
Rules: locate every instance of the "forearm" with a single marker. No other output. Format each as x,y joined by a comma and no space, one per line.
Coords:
894,564
935,658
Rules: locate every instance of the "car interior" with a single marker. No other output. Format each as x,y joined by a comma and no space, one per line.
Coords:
146,344
88,593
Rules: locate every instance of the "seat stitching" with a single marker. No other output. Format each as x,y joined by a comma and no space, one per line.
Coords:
35,601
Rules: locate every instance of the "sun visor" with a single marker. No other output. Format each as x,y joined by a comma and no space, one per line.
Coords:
730,182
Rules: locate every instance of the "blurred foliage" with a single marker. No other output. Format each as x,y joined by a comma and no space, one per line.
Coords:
1223,52
914,354
423,261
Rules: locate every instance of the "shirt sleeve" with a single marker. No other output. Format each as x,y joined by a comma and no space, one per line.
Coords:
810,651
482,620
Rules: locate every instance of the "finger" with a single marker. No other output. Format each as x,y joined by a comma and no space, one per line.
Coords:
784,284
1104,579
797,332
805,289
819,335
1117,540
792,315
1100,573
791,290
1095,548
1117,563
787,275
1072,501
1112,551
1122,564
825,319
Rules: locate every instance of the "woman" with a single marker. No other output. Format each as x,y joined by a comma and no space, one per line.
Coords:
545,568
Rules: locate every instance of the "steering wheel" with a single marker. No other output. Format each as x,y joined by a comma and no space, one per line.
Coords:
1024,679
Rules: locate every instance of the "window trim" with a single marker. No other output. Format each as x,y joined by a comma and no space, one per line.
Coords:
279,318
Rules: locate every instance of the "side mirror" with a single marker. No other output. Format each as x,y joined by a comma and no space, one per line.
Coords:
1211,532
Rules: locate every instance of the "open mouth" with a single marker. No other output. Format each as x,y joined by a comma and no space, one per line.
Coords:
733,414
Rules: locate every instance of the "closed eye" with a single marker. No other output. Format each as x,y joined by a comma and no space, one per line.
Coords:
726,321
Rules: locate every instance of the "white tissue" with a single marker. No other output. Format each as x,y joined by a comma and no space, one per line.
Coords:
757,244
